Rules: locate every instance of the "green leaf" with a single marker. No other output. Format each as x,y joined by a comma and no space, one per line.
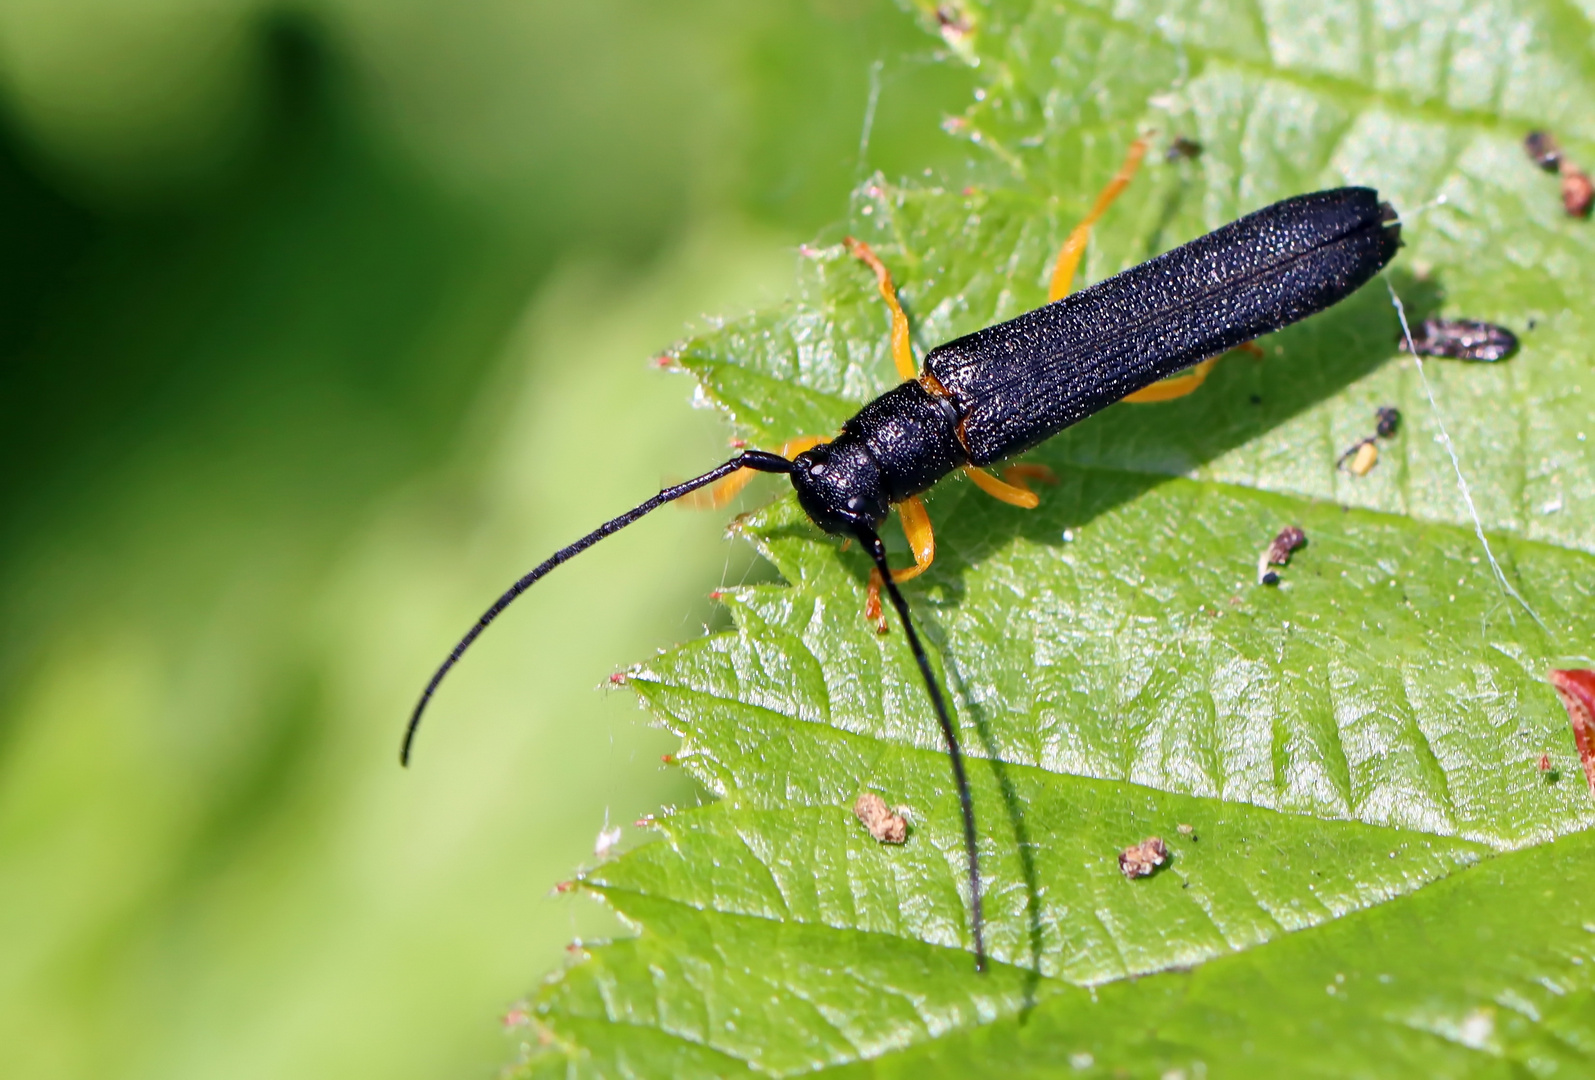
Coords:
1489,973
1371,873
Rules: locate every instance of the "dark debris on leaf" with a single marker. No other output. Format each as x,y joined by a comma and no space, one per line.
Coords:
1278,553
1183,148
1578,192
1462,339
1543,149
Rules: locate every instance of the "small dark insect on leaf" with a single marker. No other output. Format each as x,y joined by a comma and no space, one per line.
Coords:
1462,339
1389,420
1278,553
1143,859
1181,147
1543,150
1576,688
883,825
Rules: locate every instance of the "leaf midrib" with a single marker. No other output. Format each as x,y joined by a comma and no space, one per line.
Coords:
1488,846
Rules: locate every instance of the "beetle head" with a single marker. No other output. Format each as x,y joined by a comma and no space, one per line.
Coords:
839,487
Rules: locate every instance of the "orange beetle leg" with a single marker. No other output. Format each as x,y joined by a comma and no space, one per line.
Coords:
1012,494
720,493
793,447
1027,470
1175,386
872,602
921,538
902,351
1074,247
921,541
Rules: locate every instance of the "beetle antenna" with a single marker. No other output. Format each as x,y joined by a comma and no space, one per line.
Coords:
748,459
877,551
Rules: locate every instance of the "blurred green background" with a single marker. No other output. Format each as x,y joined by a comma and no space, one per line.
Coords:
321,322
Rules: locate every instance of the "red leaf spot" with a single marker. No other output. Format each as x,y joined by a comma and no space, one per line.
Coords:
1576,688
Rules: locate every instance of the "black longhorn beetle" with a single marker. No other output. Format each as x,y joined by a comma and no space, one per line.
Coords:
994,393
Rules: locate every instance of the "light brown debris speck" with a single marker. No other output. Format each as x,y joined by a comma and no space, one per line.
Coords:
1140,860
883,825
1578,193
1366,457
